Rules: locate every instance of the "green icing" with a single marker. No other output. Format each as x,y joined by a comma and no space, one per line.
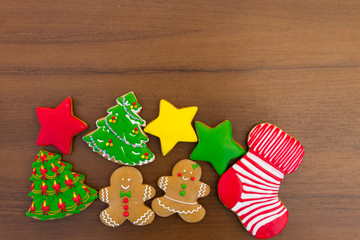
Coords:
122,126
216,146
54,186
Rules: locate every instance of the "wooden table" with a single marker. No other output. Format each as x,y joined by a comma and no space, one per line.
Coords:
292,63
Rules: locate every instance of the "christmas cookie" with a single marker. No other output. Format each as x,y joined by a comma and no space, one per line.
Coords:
57,192
182,190
58,126
119,137
126,196
250,187
216,145
173,125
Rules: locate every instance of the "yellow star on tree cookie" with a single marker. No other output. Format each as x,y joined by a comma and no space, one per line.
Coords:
173,125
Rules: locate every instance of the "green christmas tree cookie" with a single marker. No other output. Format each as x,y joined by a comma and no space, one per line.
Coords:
57,192
119,137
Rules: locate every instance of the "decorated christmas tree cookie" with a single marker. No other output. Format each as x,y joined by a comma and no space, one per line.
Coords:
57,192
119,137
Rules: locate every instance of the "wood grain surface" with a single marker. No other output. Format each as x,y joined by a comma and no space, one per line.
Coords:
295,64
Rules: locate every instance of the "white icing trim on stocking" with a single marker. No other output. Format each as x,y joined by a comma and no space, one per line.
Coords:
256,220
265,165
251,176
266,221
149,213
177,211
108,219
259,172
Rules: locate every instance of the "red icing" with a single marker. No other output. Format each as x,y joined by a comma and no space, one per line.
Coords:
229,188
125,200
126,207
126,214
179,174
146,154
136,129
58,126
113,117
110,141
134,103
272,228
192,179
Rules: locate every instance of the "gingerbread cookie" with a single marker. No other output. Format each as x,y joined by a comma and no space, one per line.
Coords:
126,196
250,187
182,190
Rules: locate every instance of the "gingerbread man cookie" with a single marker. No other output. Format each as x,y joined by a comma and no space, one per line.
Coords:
126,196
182,190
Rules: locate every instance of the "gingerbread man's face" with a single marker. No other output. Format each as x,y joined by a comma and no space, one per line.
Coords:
126,177
187,171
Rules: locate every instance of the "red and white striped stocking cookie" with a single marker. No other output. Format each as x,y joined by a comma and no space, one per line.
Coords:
250,187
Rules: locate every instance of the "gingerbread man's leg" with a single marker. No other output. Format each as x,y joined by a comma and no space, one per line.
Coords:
159,208
111,218
193,217
142,215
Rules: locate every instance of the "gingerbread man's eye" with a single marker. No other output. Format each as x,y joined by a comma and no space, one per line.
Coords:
184,170
122,179
129,179
190,172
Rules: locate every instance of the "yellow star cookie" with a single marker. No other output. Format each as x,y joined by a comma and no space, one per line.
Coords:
173,125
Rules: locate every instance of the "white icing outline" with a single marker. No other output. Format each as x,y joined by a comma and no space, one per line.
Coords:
179,201
202,190
163,187
177,211
106,197
146,219
106,217
149,194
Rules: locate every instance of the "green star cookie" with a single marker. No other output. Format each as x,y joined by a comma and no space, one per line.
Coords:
216,145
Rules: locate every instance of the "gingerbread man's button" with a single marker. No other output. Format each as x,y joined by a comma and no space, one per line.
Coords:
126,200
126,214
126,207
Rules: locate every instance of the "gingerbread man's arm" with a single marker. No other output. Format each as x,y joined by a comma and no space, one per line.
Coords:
163,182
149,192
104,194
204,190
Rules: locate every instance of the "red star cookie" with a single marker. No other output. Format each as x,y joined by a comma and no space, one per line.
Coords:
58,126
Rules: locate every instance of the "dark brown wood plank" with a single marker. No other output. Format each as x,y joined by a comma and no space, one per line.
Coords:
292,63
